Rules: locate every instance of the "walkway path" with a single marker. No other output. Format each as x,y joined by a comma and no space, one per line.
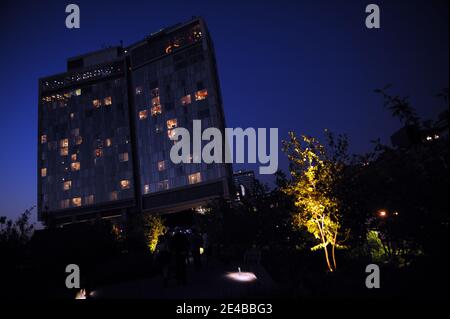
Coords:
209,282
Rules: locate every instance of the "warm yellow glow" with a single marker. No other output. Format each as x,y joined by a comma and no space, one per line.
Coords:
201,95
64,142
172,123
78,92
155,101
75,166
108,142
143,115
98,152
67,185
78,140
107,100
96,103
81,294
156,110
73,157
202,250
76,201
161,165
382,213
124,184
195,178
64,151
186,100
43,172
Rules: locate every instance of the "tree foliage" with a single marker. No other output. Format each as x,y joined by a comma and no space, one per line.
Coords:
154,227
315,173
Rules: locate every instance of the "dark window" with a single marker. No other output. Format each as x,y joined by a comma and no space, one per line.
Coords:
200,85
153,84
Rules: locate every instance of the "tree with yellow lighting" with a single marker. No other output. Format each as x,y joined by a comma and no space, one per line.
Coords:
154,227
315,174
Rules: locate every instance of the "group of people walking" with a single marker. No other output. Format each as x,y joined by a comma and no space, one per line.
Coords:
175,250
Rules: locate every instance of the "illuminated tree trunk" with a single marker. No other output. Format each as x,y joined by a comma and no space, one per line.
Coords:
325,245
333,248
328,259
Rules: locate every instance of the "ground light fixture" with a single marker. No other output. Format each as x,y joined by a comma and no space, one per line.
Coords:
241,276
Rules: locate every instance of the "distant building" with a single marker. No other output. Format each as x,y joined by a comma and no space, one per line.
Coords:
104,128
413,134
244,183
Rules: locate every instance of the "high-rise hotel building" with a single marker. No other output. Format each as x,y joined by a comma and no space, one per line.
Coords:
105,126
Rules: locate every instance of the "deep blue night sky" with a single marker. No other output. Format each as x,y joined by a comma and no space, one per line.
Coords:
295,65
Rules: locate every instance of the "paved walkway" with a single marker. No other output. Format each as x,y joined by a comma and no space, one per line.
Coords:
209,282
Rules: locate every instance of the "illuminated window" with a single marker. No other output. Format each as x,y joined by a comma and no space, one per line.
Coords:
156,110
163,185
171,133
65,203
124,184
186,100
143,115
96,103
89,200
67,185
155,93
108,142
123,157
98,152
161,165
73,157
155,101
195,178
172,123
113,195
72,116
78,92
138,90
64,142
43,139
64,151
76,201
43,172
201,95
75,166
146,189
78,140
107,100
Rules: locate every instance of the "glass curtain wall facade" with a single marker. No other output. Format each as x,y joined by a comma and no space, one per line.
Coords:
104,128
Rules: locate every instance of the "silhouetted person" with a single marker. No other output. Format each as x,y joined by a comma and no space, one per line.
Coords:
196,243
180,247
163,257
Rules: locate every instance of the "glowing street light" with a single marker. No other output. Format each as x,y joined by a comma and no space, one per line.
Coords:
382,213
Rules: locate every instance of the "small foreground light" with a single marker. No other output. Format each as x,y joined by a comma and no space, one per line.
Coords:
382,213
241,276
